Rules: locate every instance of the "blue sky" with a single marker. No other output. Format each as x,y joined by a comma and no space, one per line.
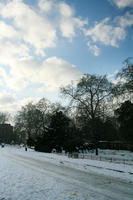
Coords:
46,44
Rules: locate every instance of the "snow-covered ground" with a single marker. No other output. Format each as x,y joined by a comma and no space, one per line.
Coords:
114,154
38,176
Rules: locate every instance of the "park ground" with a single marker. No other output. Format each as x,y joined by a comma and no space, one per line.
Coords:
32,175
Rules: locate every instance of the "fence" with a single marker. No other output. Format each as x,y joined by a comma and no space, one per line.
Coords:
99,158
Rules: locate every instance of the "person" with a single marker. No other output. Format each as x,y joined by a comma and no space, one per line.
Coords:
26,148
2,145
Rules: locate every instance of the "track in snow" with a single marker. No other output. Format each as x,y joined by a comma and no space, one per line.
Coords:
89,186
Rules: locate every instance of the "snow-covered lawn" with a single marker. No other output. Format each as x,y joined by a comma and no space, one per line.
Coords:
115,154
102,167
120,154
23,177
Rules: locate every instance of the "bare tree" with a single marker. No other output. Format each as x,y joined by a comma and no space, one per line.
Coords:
31,121
4,117
91,94
125,77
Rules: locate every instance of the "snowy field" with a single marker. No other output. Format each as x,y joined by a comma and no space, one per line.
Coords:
120,154
42,176
115,156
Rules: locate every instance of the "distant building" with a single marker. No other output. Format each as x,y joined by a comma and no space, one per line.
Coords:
6,133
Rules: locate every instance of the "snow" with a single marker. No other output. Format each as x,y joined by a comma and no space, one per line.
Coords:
19,183
119,154
22,179
111,169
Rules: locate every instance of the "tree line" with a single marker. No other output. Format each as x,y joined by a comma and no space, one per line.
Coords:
97,110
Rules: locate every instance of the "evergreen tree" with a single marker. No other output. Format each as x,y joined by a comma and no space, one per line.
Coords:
124,116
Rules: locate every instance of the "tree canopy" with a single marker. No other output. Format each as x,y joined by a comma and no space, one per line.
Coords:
124,116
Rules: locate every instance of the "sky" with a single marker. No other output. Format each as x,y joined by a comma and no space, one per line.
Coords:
46,44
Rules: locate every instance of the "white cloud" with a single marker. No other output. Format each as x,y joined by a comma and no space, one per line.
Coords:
25,101
45,5
35,27
6,98
106,34
29,28
56,72
16,83
122,3
12,51
94,49
8,102
68,23
7,31
1,83
3,73
65,10
51,73
67,28
38,31
22,72
126,20
10,108
26,31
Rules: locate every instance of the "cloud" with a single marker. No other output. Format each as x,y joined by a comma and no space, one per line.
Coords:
38,26
64,17
94,49
10,56
68,23
6,99
8,102
65,10
51,73
11,51
34,29
122,3
67,28
56,72
45,5
126,20
16,83
106,34
26,32
7,31
3,73
28,100
1,83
